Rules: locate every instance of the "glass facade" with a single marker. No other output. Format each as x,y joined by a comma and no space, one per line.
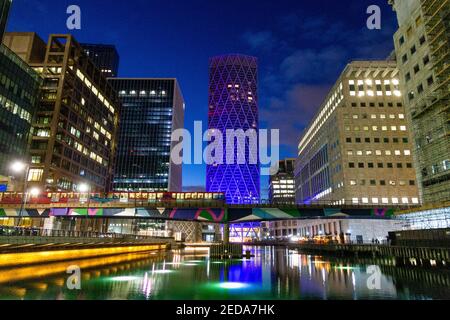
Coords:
4,11
105,57
233,105
151,110
19,87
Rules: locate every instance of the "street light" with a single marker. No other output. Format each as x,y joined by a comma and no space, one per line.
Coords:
19,167
34,192
83,188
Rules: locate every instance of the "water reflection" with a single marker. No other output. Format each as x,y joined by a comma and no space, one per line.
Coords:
271,274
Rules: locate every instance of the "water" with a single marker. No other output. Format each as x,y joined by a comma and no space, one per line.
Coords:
272,274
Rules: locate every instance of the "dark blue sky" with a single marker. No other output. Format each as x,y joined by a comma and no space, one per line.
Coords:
302,47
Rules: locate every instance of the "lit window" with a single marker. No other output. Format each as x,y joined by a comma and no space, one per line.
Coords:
365,200
398,153
355,200
35,175
407,152
402,128
375,200
370,93
385,200
405,200
395,200
401,116
415,200
397,93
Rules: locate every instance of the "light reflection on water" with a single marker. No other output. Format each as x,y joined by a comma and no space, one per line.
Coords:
271,274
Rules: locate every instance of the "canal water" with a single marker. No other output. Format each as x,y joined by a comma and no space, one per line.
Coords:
273,273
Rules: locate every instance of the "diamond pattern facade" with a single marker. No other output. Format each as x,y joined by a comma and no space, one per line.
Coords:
233,104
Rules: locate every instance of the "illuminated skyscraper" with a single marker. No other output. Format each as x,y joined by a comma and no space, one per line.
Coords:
151,110
233,105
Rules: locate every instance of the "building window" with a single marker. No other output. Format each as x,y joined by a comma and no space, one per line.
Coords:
401,40
422,40
351,165
412,182
404,58
426,60
416,68
430,81
35,175
413,50
420,89
382,182
380,165
407,77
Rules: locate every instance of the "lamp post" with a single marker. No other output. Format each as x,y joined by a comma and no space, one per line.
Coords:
85,188
19,167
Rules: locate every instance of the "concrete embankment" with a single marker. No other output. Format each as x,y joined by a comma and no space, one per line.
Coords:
17,251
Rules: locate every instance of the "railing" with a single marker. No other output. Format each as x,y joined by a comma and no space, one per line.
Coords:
6,231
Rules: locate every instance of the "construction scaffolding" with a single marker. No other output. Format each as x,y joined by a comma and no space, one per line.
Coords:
431,118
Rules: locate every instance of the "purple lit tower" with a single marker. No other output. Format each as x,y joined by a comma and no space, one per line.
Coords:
233,104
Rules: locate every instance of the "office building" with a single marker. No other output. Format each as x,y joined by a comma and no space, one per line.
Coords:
19,88
357,148
5,5
74,131
282,184
151,110
233,105
105,57
422,45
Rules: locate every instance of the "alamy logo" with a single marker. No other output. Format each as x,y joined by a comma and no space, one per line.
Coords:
74,280
374,20
232,147
74,20
374,280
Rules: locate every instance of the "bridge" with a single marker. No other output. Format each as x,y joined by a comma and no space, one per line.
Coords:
197,206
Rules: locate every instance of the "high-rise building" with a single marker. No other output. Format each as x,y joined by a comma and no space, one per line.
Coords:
151,110
105,57
233,105
74,131
282,184
5,5
357,148
19,88
422,45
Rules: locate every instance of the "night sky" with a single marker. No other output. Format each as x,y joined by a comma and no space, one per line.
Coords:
302,47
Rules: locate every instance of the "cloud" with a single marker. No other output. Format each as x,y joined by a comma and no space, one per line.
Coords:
263,40
293,111
314,65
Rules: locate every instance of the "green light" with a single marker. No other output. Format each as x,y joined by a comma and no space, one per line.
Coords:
162,271
232,285
125,278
